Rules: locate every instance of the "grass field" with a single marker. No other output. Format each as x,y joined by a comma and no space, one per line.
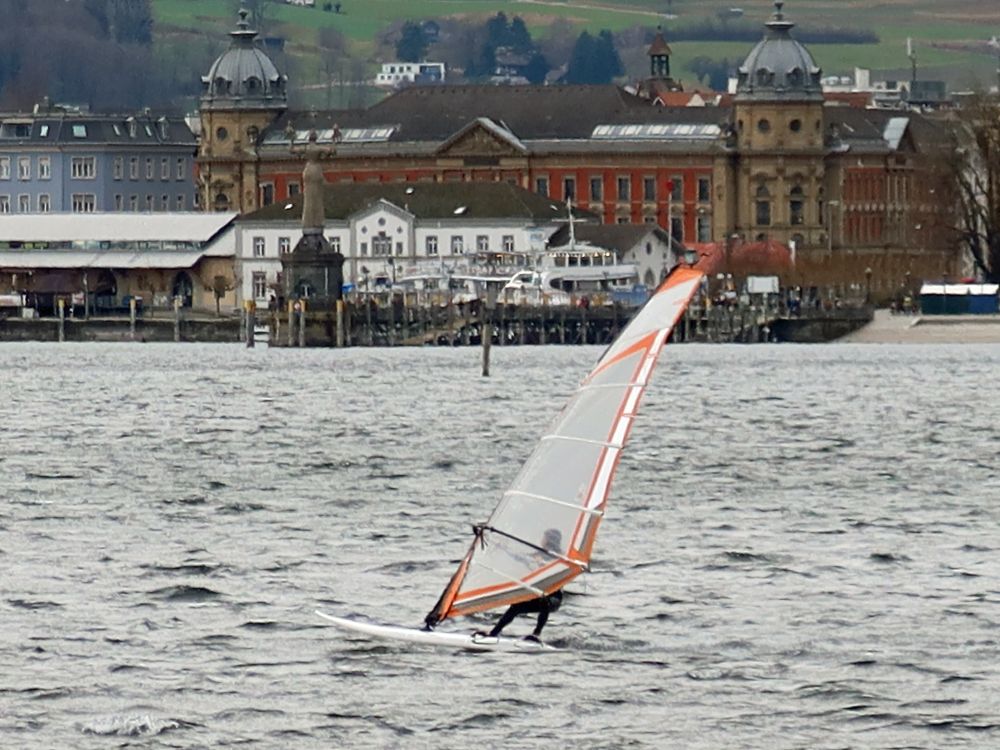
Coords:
928,22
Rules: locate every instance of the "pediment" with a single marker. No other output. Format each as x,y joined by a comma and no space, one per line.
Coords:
482,137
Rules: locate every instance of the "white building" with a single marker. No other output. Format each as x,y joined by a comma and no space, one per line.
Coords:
398,73
390,231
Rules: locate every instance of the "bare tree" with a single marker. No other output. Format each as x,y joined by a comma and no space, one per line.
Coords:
975,179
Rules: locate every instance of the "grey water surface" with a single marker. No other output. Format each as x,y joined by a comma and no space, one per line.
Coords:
801,549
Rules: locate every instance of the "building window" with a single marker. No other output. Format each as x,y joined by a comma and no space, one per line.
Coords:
764,126
364,248
624,189
704,190
677,228
164,168
266,194
649,189
431,244
796,205
149,169
259,285
381,245
133,168
24,168
83,168
542,186
704,229
335,244
24,203
399,248
676,189
258,247
4,204
482,243
44,167
44,204
119,202
596,189
180,203
508,243
164,202
84,203
569,188
149,203
457,244
284,245
79,131
4,167
181,168
763,207
293,189
133,203
118,168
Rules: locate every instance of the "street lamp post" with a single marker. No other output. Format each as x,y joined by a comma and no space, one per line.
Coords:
868,285
829,224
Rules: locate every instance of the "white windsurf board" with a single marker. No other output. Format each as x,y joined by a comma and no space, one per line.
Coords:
445,639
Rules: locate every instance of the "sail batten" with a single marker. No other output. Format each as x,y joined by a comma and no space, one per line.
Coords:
547,499
550,513
606,444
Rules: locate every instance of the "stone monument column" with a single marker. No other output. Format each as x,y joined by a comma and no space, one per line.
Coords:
312,260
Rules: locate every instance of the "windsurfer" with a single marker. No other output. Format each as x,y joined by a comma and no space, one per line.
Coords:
543,605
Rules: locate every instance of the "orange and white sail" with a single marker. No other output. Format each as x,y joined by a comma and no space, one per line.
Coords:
541,533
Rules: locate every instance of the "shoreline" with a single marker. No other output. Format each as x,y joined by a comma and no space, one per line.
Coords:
887,328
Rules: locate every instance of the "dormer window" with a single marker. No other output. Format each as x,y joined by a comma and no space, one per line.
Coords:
253,84
795,78
764,77
131,127
79,131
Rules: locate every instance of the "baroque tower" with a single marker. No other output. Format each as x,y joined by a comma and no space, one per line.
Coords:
778,159
242,94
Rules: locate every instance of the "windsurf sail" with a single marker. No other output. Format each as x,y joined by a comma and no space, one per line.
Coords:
541,533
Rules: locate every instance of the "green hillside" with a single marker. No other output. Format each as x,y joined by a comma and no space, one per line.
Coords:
949,37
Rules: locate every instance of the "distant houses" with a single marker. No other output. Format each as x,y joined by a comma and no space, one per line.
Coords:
395,74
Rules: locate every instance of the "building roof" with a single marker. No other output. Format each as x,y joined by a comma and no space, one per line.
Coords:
244,76
99,259
51,125
426,200
617,237
659,45
193,227
779,67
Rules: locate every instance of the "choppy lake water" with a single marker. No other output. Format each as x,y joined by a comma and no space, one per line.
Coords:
801,549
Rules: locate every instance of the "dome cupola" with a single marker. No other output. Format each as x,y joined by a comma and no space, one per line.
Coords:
779,67
244,76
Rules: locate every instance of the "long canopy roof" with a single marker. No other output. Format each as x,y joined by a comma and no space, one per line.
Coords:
186,226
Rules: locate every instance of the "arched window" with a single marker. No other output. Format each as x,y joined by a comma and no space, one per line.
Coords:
221,202
795,78
796,205
764,77
763,206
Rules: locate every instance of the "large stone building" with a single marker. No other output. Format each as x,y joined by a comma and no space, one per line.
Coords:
851,188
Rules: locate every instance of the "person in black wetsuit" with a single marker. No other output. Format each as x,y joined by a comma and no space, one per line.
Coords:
543,605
